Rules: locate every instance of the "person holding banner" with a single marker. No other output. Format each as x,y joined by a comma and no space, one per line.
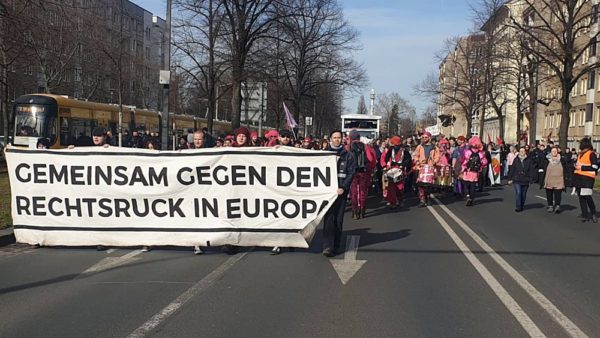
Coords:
426,157
285,139
473,162
334,218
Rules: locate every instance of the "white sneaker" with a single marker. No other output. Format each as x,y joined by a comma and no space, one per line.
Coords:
198,250
573,192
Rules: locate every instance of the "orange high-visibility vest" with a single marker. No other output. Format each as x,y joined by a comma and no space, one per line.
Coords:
585,160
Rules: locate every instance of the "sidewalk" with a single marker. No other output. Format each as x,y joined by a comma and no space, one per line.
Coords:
7,236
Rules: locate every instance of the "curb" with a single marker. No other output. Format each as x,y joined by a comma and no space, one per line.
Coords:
7,236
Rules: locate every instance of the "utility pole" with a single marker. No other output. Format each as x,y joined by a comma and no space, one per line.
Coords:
165,78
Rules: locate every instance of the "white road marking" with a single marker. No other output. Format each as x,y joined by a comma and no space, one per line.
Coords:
561,319
109,251
540,197
511,304
112,262
346,268
203,285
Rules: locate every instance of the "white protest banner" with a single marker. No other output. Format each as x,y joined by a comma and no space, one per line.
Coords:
125,197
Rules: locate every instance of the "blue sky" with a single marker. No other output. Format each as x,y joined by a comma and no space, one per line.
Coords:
399,38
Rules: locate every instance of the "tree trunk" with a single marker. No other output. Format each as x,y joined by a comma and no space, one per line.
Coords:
4,94
469,124
565,109
236,101
500,126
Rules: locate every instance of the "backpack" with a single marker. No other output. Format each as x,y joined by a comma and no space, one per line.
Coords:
474,163
361,158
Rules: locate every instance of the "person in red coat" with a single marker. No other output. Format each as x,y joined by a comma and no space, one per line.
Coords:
365,158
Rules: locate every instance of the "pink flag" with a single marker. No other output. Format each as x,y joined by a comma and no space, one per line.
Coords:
289,117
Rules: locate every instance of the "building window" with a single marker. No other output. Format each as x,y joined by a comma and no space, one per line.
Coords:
592,80
589,111
593,43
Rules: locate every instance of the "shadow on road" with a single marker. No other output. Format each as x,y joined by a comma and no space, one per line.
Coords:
368,238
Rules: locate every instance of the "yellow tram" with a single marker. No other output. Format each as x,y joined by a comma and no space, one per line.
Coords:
63,120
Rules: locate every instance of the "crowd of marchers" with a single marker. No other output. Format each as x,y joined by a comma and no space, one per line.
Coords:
392,167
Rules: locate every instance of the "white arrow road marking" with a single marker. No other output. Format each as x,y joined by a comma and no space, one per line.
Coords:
346,268
113,262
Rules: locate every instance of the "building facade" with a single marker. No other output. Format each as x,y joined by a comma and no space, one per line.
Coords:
99,50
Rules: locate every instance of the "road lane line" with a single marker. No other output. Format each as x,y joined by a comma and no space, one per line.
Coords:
511,304
570,328
198,288
540,197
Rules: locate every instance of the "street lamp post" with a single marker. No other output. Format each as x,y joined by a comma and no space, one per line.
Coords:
165,78
372,110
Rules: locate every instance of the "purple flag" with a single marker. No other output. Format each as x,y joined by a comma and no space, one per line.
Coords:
288,116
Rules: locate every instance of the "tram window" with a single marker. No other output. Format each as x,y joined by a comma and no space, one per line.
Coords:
65,139
81,131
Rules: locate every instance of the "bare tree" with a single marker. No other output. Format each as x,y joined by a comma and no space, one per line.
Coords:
199,34
393,108
460,83
558,33
248,21
362,107
318,42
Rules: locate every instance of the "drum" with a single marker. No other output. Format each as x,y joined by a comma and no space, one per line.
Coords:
426,175
395,175
443,176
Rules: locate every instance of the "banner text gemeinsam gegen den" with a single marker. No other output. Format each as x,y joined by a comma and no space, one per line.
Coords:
122,197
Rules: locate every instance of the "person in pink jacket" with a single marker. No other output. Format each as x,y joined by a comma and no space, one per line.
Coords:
366,161
473,162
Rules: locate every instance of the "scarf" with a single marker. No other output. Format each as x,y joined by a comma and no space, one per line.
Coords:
522,158
338,150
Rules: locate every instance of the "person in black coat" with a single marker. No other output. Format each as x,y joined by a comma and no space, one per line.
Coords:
584,179
334,218
521,174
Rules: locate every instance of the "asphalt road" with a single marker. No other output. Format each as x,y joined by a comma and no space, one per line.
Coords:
446,270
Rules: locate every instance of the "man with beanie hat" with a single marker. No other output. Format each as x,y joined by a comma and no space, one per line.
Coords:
334,218
365,163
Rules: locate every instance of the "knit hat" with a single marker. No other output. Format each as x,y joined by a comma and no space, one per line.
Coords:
242,130
475,142
396,141
354,135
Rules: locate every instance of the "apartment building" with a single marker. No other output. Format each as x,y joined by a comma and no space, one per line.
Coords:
87,49
584,98
524,77
460,86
